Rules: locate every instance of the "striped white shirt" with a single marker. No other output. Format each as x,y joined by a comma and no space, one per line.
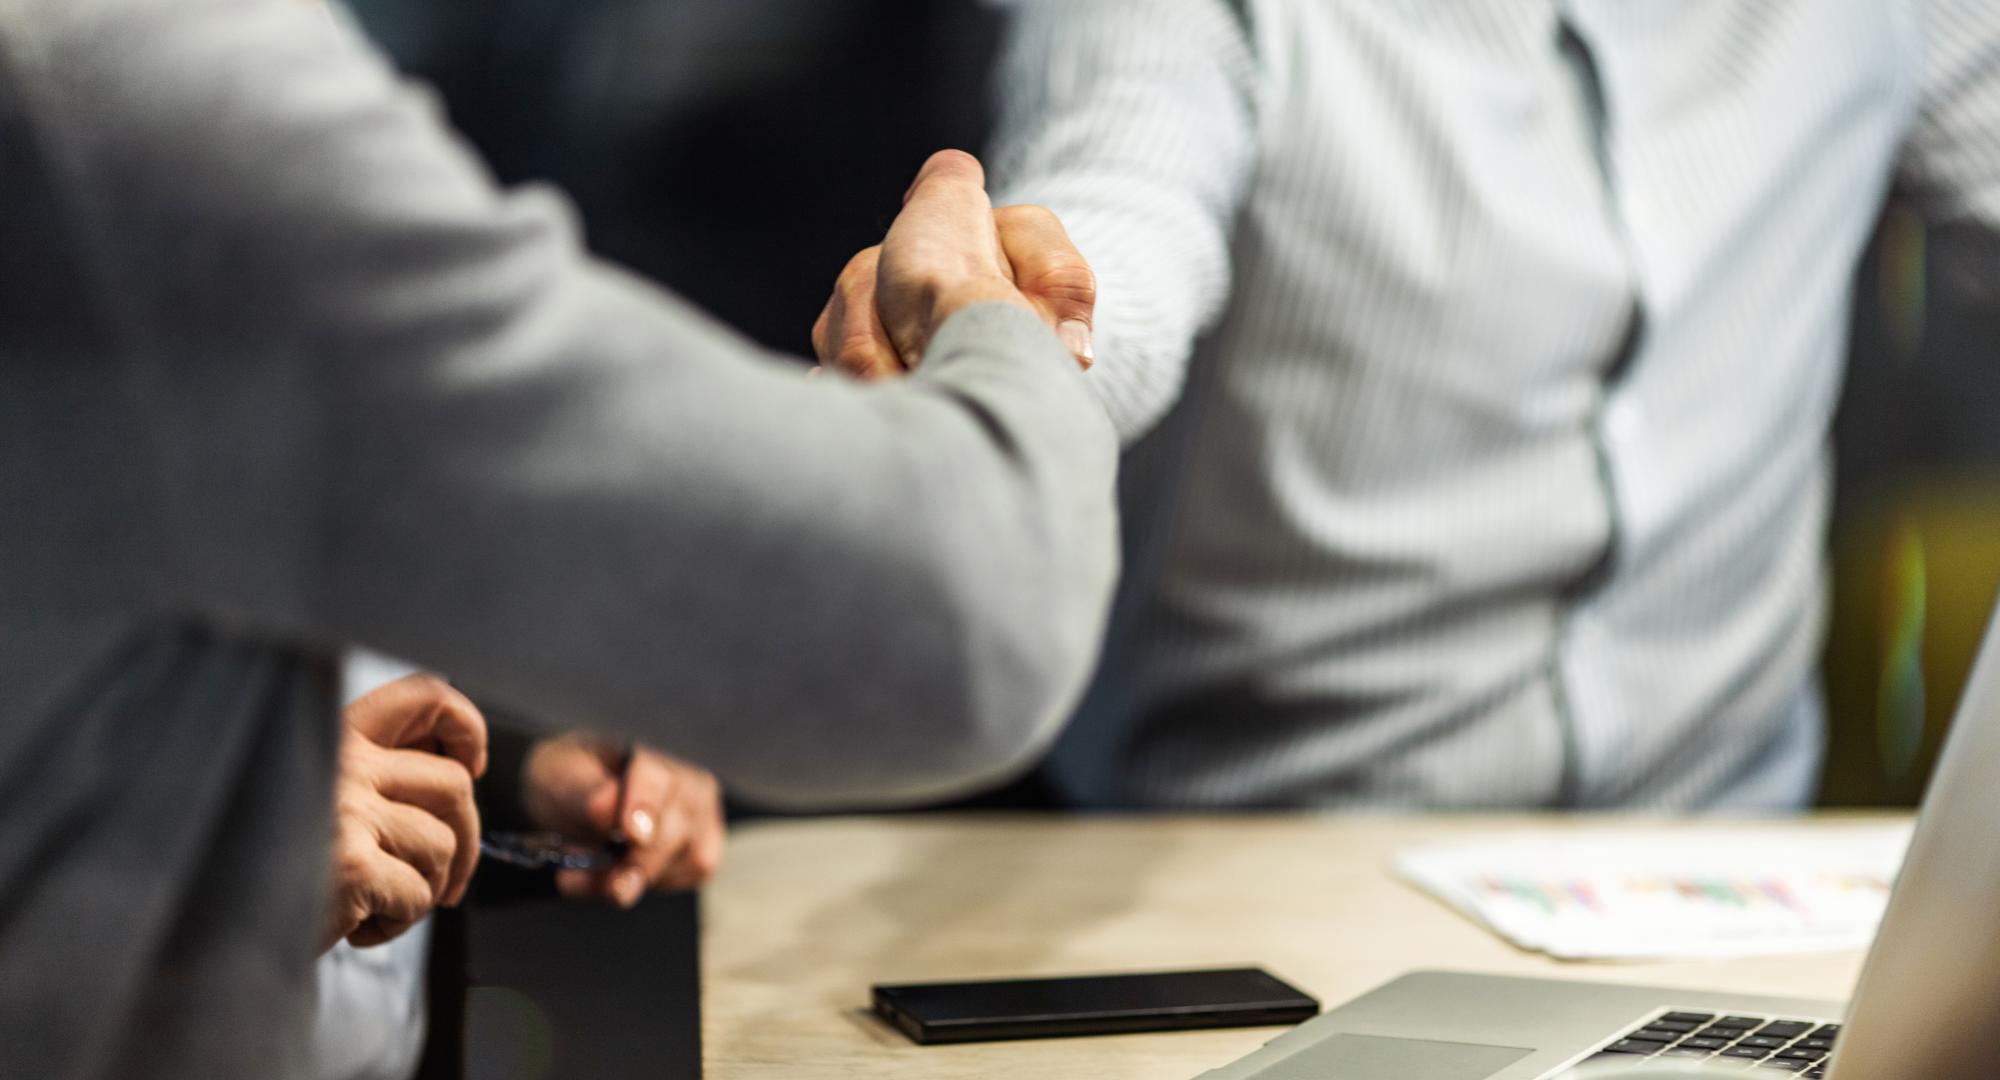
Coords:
1496,343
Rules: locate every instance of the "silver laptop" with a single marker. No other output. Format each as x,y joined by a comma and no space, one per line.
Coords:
1927,1007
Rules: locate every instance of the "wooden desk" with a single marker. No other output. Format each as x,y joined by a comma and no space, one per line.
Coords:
806,915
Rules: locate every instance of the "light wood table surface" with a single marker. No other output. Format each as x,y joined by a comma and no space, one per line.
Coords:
807,914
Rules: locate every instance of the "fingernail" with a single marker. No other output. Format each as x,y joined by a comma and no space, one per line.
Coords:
641,828
626,888
1076,334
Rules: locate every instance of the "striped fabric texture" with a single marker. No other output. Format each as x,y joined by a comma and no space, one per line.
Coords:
1476,359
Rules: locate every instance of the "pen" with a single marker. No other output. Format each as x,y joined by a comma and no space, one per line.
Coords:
620,842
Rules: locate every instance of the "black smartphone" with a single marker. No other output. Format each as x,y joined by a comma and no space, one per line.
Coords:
956,1012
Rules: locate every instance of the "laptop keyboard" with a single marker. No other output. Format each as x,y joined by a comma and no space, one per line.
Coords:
1757,1043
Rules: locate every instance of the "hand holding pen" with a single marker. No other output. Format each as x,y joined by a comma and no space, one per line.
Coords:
657,821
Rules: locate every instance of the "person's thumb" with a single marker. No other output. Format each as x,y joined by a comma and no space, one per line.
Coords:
941,254
951,181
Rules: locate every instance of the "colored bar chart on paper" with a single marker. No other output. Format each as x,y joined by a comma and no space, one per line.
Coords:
1703,891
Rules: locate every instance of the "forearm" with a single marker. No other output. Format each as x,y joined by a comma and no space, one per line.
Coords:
1163,272
823,592
1134,121
385,402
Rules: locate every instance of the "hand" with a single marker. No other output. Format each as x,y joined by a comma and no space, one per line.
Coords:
671,814
406,832
938,257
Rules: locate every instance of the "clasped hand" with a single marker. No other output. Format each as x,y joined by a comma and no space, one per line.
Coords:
406,827
406,830
947,250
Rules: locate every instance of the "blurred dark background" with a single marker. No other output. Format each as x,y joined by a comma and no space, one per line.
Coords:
738,150
741,150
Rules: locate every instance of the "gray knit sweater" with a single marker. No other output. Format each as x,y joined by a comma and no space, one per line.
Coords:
280,369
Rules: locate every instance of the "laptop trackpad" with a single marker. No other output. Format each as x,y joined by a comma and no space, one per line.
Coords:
1372,1057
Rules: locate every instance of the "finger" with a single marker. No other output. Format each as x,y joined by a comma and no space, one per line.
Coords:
607,884
683,876
856,341
710,837
572,783
821,351
642,867
421,779
422,710
649,783
420,840
954,166
698,861
707,829
654,822
569,784
600,811
442,788
950,193
451,721
379,931
580,884
646,865
1052,273
700,799
396,897
352,848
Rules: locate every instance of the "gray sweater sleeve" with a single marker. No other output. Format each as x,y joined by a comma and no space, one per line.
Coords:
379,400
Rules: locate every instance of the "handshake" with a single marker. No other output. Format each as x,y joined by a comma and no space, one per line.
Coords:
949,249
406,837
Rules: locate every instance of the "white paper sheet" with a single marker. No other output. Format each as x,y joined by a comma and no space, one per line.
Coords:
1698,892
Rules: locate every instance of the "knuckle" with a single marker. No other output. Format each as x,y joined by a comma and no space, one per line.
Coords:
819,332
856,357
1083,282
458,784
350,870
1070,280
439,837
349,801
357,751
1030,214
855,348
854,296
862,263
